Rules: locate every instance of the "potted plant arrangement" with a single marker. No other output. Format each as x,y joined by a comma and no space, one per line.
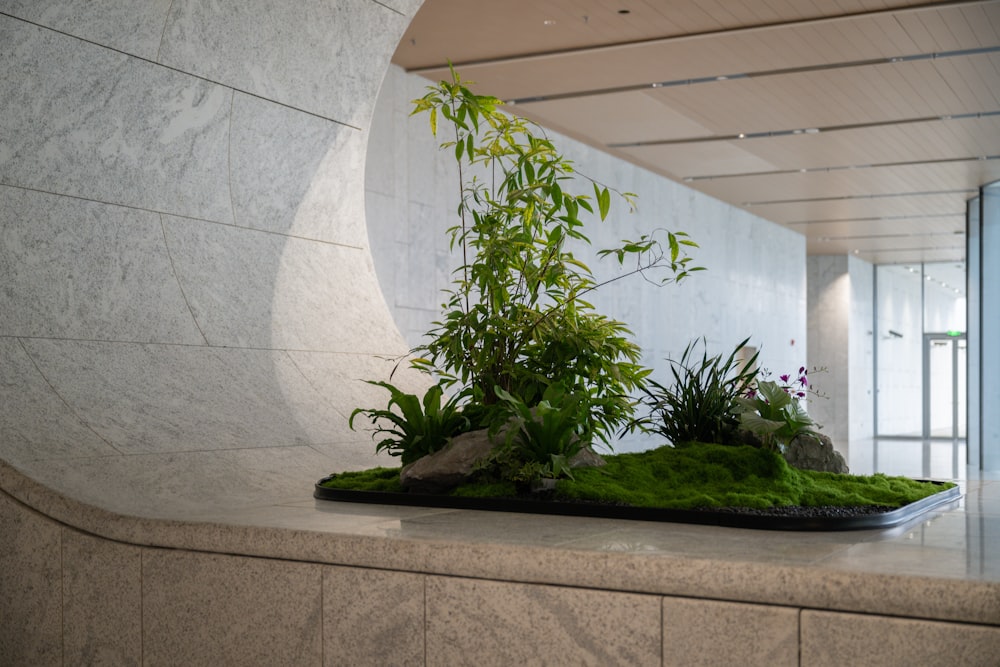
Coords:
530,377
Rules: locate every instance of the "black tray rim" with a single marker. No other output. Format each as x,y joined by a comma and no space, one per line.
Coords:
879,520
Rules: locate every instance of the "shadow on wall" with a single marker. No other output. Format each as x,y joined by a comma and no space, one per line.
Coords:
186,285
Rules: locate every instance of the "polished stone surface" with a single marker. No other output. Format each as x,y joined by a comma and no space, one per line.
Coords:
941,566
102,601
373,617
217,609
472,622
739,634
832,640
31,585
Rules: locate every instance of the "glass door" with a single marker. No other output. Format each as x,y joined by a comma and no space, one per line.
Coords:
944,386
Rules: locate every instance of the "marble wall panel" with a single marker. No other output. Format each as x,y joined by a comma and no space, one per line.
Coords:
71,268
832,639
35,423
102,601
255,289
861,350
90,122
295,173
153,398
474,622
709,632
133,27
829,334
343,378
372,617
407,7
225,610
30,587
319,56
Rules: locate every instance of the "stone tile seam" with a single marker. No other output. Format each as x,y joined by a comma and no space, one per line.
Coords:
318,391
180,286
391,9
100,341
229,155
185,73
58,395
298,237
163,32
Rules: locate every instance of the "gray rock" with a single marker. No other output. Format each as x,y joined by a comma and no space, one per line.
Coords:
449,466
455,462
814,452
587,458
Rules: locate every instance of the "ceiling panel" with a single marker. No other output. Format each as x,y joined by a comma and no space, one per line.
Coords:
923,177
867,111
787,211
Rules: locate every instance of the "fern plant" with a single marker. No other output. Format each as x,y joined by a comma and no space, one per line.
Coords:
415,427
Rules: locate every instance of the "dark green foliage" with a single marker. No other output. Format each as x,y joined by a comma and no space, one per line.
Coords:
416,428
540,439
702,403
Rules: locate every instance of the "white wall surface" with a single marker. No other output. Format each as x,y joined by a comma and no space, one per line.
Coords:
187,302
754,284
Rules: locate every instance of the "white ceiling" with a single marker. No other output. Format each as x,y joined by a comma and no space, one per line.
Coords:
865,125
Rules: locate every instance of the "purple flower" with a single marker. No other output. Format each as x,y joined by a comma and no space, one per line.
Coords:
784,378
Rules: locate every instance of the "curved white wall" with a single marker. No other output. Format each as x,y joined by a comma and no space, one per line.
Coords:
185,283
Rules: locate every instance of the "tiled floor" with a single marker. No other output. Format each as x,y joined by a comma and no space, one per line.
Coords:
925,459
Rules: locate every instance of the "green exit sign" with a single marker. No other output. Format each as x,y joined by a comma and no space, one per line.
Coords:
956,334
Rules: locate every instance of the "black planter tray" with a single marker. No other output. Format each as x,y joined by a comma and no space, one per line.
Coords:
732,518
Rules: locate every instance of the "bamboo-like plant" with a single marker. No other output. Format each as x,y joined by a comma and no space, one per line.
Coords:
516,316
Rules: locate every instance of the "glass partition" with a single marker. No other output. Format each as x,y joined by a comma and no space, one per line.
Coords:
920,318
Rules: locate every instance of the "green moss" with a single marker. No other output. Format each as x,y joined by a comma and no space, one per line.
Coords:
706,475
375,479
693,476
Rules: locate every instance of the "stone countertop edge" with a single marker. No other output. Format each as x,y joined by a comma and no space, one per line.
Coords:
804,586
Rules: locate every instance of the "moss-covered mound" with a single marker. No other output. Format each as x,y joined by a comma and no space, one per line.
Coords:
692,476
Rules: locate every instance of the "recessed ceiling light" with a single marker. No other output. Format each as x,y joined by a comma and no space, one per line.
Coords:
741,135
812,130
721,78
548,22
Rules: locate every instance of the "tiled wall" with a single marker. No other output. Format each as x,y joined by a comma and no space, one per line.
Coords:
74,599
841,343
185,284
754,284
